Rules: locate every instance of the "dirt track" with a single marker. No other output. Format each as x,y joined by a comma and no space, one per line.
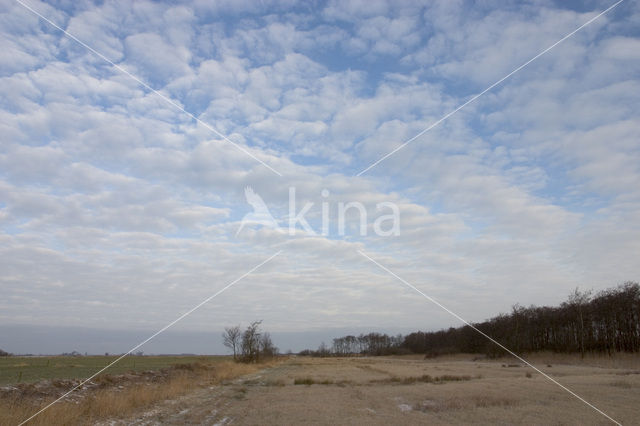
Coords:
390,391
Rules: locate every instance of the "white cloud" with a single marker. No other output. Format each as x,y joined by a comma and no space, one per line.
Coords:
118,204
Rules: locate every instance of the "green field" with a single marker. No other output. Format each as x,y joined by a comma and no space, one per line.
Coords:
32,369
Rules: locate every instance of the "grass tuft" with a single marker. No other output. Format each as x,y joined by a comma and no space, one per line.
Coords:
303,381
491,401
310,381
423,379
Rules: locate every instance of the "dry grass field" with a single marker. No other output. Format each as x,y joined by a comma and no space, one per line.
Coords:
405,390
111,394
385,390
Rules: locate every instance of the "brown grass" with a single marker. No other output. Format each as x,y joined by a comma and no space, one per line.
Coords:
425,378
493,401
311,381
602,360
118,401
476,401
496,396
303,381
617,360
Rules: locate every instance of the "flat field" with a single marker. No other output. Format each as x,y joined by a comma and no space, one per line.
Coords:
131,385
31,369
386,390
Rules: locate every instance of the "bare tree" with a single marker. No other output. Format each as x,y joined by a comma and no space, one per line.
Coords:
232,336
251,342
578,301
323,350
267,348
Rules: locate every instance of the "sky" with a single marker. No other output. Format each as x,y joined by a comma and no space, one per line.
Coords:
127,149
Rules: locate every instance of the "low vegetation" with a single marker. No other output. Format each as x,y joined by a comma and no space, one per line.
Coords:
304,381
454,389
31,383
454,404
425,378
34,368
114,395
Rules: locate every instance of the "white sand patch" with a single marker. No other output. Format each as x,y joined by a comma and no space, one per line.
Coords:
404,407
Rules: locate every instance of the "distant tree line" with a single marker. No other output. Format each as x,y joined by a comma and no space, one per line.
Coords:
364,344
250,345
605,323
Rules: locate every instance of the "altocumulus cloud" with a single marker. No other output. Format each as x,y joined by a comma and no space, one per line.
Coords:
117,210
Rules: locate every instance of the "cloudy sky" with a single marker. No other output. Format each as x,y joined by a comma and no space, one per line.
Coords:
123,173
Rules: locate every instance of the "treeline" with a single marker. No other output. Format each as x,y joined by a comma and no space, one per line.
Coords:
607,322
364,344
250,345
